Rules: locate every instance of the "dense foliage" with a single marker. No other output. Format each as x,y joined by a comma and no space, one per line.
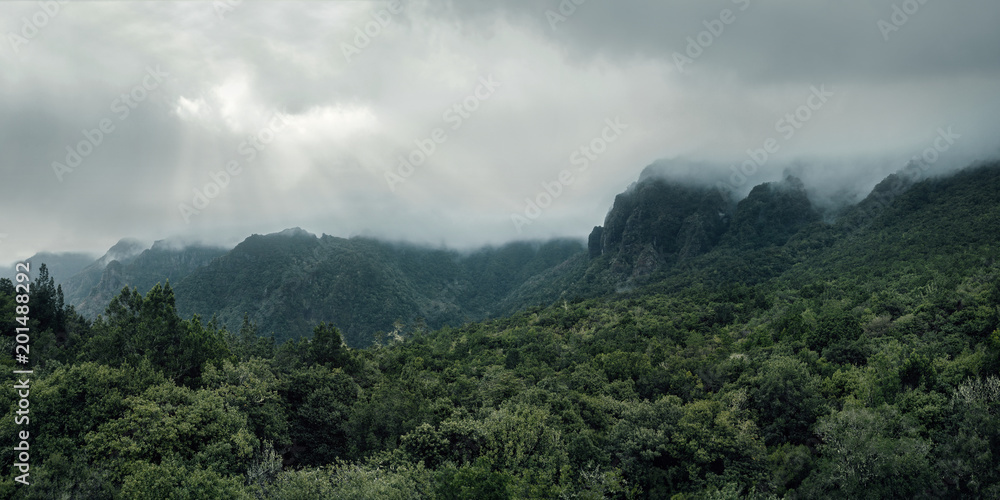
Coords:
289,282
855,360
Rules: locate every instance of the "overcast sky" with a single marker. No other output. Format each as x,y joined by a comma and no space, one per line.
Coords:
311,115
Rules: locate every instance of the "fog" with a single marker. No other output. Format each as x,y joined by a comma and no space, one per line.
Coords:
203,124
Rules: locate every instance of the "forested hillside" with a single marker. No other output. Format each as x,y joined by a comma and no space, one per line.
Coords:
289,282
761,354
78,287
159,264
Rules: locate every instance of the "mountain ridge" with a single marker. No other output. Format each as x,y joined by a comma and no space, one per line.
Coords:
659,231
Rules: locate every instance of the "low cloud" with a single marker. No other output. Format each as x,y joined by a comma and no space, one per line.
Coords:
350,118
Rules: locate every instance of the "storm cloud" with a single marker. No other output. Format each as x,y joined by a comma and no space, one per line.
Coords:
437,121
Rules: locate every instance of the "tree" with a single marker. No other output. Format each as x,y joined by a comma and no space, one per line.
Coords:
247,342
786,399
837,335
174,481
966,454
871,453
172,424
137,327
319,405
252,387
46,302
83,396
326,346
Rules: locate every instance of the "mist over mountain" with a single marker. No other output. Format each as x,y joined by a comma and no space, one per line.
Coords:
498,250
843,101
61,266
288,282
666,223
162,263
78,286
746,339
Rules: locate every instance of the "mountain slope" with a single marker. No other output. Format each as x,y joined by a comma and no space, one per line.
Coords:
657,223
61,266
161,263
771,214
857,359
288,282
77,287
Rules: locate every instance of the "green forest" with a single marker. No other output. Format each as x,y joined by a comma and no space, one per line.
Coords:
857,357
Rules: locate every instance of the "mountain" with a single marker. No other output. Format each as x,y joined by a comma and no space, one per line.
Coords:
931,221
78,286
771,214
792,351
657,223
61,266
290,281
664,226
662,234
163,262
787,357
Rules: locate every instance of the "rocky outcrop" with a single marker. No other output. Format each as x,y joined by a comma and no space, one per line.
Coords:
657,223
594,242
79,286
771,214
165,261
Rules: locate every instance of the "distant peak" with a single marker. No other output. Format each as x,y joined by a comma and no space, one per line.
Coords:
124,249
681,171
793,183
296,232
790,184
126,244
170,244
161,245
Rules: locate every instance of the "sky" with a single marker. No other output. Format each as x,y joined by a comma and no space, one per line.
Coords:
462,123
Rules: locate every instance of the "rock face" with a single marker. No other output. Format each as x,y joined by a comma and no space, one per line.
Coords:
594,242
159,264
112,281
657,222
771,214
78,287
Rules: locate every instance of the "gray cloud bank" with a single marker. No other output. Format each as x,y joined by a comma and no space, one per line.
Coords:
186,120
